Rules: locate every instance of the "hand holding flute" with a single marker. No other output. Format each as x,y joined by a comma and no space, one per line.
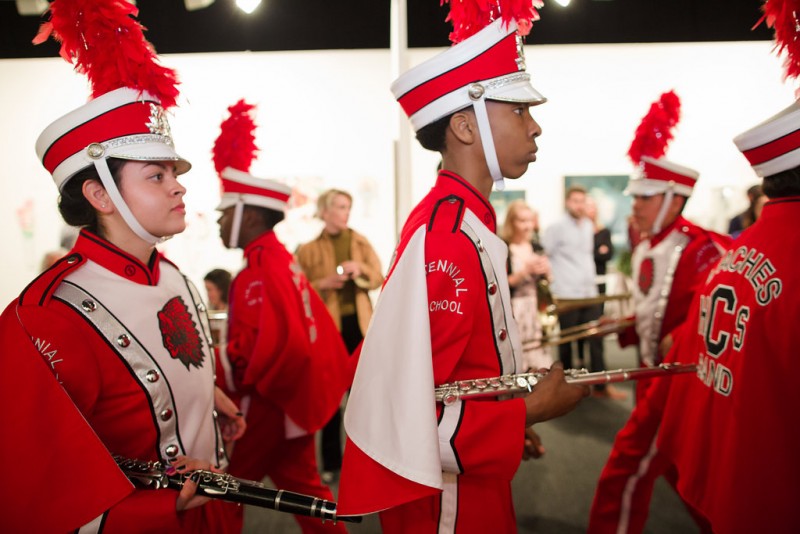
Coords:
553,397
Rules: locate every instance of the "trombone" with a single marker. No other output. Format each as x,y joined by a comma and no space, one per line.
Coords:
549,307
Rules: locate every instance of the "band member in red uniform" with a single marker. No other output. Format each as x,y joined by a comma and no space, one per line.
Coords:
108,351
287,358
669,265
731,430
444,313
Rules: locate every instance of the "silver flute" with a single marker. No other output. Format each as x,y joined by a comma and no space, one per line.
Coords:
525,382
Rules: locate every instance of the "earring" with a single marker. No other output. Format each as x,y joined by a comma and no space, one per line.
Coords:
103,206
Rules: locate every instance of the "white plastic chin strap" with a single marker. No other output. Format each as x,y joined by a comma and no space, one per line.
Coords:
111,188
668,196
236,225
488,142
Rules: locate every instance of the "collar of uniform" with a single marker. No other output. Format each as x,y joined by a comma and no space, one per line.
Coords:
659,237
117,260
451,183
781,207
265,240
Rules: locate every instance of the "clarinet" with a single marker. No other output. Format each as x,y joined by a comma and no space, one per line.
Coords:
152,475
525,382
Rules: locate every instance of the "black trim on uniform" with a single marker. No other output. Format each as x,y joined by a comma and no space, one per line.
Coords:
104,244
459,213
463,183
453,437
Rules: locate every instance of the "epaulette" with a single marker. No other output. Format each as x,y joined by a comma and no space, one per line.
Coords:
447,214
41,289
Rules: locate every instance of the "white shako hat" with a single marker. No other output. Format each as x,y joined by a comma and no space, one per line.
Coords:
656,176
238,186
126,117
774,145
233,153
489,65
124,123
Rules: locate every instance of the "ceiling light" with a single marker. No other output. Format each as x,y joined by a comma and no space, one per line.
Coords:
193,5
32,7
248,6
563,3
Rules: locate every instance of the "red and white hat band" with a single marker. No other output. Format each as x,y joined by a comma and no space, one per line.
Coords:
659,176
774,145
124,123
496,61
773,149
130,119
488,65
238,186
651,171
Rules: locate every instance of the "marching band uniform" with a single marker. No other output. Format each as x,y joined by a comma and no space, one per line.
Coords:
287,359
141,375
452,233
668,268
726,429
271,306
443,315
116,353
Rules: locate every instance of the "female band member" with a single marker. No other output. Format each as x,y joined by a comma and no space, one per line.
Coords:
121,331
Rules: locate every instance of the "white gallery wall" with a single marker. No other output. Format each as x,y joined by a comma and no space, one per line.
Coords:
327,119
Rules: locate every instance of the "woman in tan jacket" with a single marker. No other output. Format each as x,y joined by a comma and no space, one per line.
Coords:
342,267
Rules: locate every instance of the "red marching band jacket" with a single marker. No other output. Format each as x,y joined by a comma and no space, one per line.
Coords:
282,342
443,315
104,354
732,430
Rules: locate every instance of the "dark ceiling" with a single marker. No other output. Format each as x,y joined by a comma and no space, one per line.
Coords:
332,24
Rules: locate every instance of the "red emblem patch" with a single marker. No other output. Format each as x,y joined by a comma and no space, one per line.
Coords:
179,333
646,275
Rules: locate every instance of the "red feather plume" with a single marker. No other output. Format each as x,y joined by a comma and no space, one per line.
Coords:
782,16
655,131
236,145
104,41
471,16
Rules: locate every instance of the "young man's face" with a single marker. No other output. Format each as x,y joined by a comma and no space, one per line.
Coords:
225,222
646,208
514,132
575,204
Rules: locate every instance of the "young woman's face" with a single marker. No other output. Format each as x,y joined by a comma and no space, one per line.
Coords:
514,132
337,214
524,224
214,296
154,196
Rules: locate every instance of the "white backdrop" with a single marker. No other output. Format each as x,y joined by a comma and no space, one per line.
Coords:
327,119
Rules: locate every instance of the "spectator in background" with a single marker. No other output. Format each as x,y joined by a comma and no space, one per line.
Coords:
342,267
603,251
526,266
569,243
603,248
218,282
745,219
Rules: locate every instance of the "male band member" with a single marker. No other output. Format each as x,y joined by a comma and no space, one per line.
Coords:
669,265
286,355
727,429
444,313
